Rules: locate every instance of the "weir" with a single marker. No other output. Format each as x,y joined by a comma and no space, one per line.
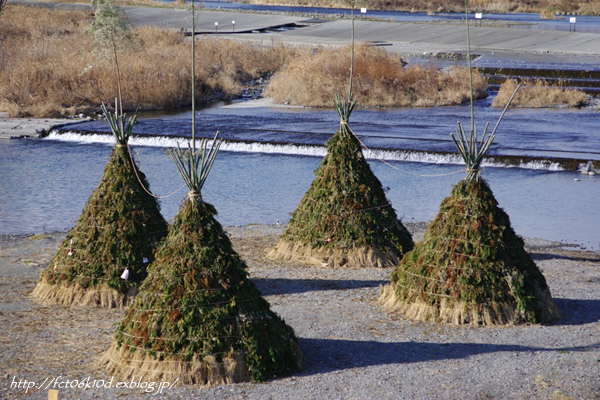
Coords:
374,153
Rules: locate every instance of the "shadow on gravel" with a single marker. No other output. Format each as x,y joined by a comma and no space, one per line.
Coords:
328,355
578,312
270,287
573,256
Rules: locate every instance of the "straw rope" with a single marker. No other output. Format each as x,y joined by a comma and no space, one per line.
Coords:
445,240
99,278
436,309
197,305
156,294
394,167
187,338
426,277
203,321
447,266
421,291
161,361
140,181
174,353
108,226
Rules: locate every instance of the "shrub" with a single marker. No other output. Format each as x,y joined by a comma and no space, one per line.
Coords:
538,93
379,80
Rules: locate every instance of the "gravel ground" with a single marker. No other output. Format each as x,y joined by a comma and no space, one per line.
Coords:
353,349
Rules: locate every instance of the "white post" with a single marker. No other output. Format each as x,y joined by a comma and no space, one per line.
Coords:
478,17
572,24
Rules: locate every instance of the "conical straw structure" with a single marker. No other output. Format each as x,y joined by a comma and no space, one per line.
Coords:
471,268
344,219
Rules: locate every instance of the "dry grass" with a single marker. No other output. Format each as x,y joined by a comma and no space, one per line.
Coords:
380,80
454,311
538,94
548,13
77,296
358,257
49,67
129,362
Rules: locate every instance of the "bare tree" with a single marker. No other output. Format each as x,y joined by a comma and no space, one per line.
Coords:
112,33
2,5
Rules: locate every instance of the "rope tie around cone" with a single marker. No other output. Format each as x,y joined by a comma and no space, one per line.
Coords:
347,212
189,338
122,131
131,242
449,297
203,321
57,272
400,169
232,301
454,266
129,361
151,351
472,243
142,184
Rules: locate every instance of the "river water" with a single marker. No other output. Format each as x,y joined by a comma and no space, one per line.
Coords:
583,23
268,163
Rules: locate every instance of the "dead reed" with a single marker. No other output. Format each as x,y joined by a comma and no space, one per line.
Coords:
538,94
380,80
49,67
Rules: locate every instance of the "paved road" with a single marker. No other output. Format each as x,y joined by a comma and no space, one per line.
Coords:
437,37
205,20
495,44
498,46
452,37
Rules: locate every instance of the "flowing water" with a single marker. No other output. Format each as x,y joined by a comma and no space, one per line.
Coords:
271,154
584,23
551,139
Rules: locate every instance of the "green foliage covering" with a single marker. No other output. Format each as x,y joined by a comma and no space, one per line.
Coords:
198,301
470,253
345,206
119,226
